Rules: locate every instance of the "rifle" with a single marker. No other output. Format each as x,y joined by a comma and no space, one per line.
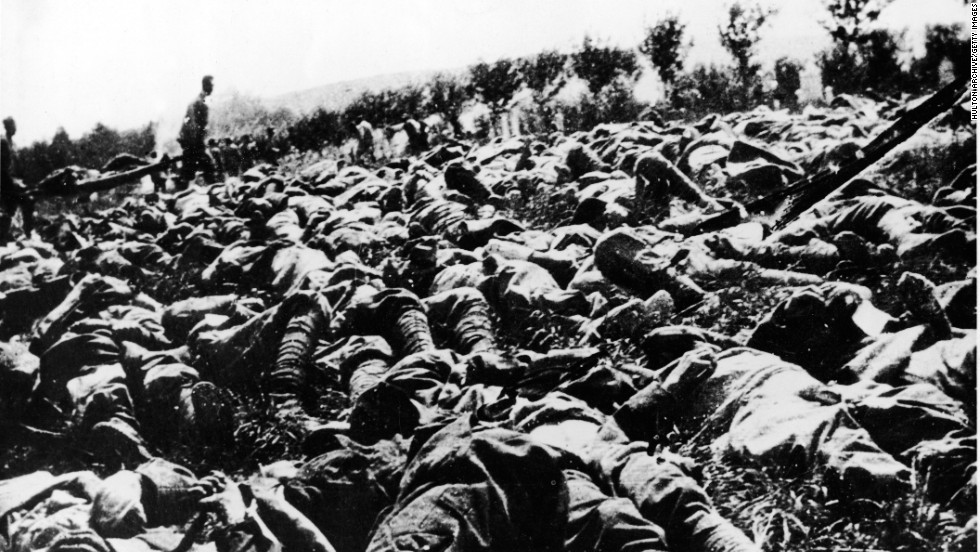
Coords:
789,203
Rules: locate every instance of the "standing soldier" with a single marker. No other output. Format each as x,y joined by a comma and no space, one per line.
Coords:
230,158
13,193
266,146
215,153
281,144
191,138
246,150
364,133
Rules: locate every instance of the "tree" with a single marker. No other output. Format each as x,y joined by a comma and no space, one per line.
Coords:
496,82
98,146
873,64
446,96
62,150
409,102
543,70
599,65
665,48
740,37
851,20
858,49
741,34
879,55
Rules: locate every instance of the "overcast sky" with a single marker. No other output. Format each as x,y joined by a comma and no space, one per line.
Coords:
128,62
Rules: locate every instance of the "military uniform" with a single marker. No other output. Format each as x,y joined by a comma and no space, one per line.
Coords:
13,194
191,139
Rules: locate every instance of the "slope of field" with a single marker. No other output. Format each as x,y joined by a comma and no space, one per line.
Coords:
336,96
520,227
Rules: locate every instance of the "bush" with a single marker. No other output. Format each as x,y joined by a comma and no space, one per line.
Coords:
407,102
614,103
862,58
840,69
873,64
367,106
313,131
787,73
882,70
446,96
708,89
243,114
944,43
600,65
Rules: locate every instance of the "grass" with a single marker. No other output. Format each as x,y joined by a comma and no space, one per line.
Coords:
924,164
783,513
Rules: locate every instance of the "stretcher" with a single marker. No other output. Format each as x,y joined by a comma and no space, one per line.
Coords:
65,182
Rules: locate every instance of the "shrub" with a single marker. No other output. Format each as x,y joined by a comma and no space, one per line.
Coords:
708,89
787,73
861,58
873,64
614,103
446,96
944,43
314,130
243,114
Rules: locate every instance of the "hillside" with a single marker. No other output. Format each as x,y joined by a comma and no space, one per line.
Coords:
336,96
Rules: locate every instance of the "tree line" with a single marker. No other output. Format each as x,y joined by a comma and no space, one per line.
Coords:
862,59
91,151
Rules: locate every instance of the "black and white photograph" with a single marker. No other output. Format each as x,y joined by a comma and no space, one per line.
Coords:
488,276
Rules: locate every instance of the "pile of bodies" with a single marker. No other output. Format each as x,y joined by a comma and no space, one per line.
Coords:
414,290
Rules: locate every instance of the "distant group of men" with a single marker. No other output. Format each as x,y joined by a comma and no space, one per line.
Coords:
227,157
214,158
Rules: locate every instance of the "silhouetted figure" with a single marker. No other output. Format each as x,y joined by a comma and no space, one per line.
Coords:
13,192
191,138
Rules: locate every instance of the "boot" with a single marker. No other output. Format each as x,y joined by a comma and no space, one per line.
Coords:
919,297
382,412
403,320
118,439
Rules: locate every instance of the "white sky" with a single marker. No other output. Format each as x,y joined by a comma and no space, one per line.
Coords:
128,62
